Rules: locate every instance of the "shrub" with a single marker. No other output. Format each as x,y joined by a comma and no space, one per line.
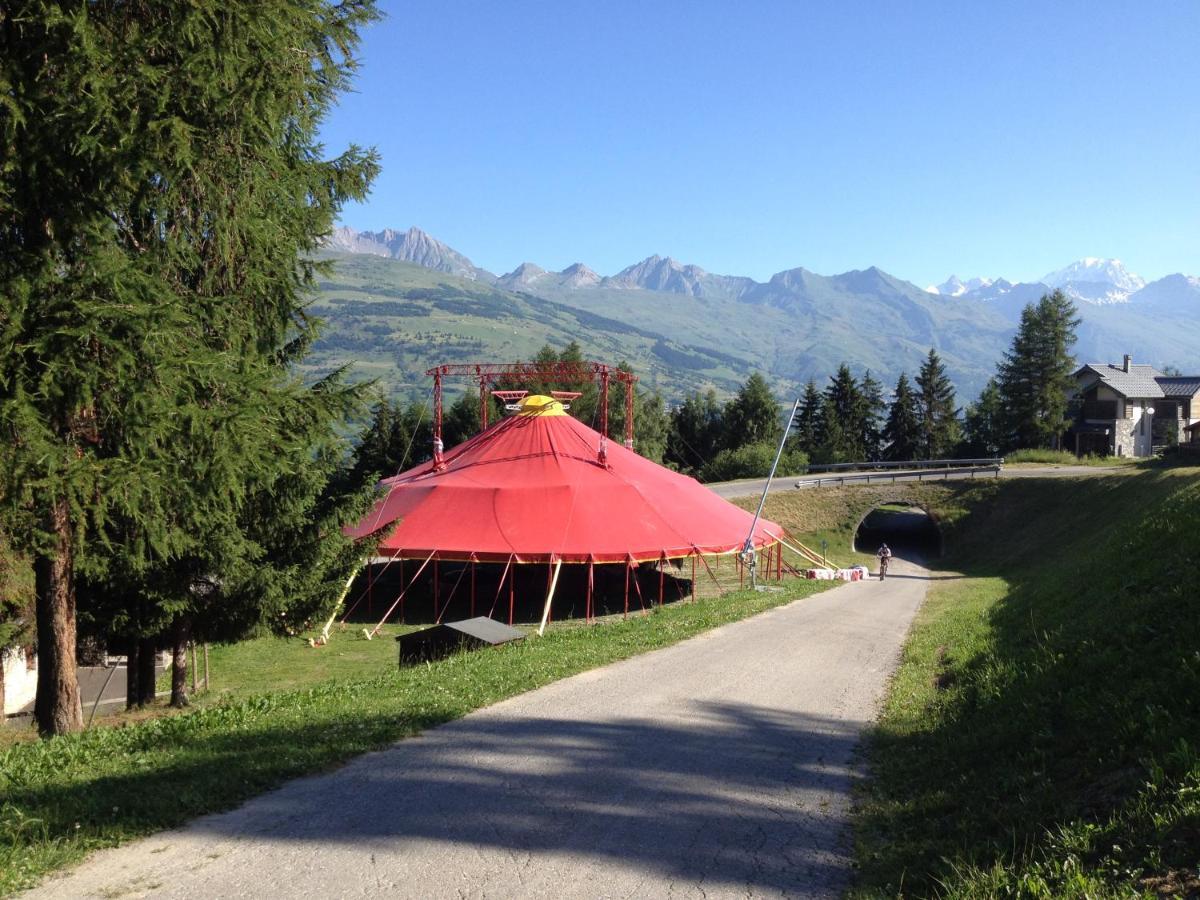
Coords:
753,461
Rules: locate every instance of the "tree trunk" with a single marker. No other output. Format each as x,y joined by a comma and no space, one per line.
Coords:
147,657
181,633
131,674
57,709
1,685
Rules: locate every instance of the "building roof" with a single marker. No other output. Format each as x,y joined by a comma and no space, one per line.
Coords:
1179,385
1139,381
535,487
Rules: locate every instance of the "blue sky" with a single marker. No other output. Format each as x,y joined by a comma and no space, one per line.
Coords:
925,138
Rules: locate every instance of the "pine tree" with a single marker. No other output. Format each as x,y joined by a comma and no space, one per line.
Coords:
871,435
845,403
1035,375
937,412
808,431
694,433
158,230
461,421
902,431
752,416
984,423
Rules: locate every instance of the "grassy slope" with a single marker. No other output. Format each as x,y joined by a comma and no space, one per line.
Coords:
1042,737
64,797
392,320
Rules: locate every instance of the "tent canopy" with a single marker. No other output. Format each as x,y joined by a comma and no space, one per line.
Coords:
541,486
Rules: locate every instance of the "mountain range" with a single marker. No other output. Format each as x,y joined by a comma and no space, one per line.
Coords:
687,328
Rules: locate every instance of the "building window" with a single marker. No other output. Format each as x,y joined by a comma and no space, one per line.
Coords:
1142,419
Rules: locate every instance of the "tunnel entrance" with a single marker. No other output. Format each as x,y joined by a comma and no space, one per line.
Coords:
907,529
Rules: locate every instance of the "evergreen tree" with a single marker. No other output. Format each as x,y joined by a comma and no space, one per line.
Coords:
809,429
396,439
902,431
937,412
871,434
837,445
461,421
845,403
752,416
150,290
1035,375
694,433
984,431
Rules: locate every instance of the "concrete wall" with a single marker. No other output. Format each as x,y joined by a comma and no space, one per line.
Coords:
20,681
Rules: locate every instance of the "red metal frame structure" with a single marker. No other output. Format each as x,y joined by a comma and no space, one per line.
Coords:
487,374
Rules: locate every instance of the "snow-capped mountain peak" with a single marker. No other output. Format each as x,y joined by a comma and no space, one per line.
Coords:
1096,270
956,287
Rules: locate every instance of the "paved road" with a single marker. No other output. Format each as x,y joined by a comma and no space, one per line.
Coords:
718,767
753,487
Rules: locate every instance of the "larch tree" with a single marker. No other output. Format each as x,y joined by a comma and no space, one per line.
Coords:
936,408
902,430
162,193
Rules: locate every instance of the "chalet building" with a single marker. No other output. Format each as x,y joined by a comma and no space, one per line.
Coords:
1130,410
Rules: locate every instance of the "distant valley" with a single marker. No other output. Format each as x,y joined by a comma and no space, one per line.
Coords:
402,301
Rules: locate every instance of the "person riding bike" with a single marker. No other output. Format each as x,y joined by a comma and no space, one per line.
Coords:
884,554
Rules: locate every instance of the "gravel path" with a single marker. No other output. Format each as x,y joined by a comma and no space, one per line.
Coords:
718,767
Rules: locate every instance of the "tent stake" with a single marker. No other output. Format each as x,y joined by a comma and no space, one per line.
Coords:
549,598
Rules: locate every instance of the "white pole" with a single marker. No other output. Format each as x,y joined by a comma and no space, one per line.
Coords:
748,549
337,607
550,597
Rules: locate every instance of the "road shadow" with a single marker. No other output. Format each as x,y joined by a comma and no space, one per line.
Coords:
730,794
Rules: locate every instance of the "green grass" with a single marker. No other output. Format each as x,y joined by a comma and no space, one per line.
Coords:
1042,736
1066,458
64,797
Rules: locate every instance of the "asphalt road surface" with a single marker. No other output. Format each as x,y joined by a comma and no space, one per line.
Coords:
753,487
718,767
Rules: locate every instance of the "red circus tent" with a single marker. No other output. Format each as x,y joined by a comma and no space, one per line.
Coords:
540,486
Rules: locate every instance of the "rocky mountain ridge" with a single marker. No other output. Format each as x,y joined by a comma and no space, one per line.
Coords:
1091,280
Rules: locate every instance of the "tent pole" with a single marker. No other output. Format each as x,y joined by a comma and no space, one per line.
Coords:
587,616
512,576
661,571
693,577
370,593
399,601
472,588
549,598
435,587
626,614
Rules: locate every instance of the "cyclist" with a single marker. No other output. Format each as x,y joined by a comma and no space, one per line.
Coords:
884,554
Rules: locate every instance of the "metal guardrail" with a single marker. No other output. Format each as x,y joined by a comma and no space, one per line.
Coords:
892,477
908,464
